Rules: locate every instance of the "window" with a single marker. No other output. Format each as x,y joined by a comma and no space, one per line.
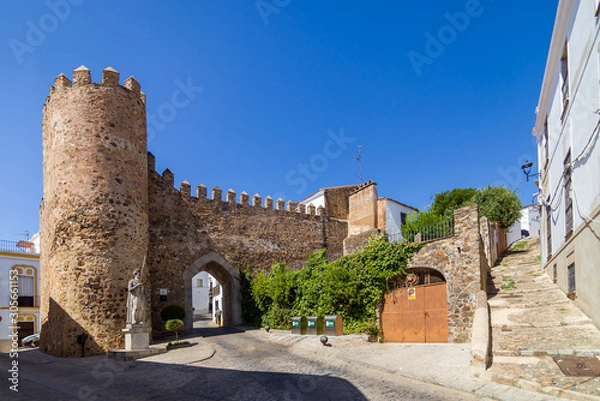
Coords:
403,217
568,198
199,283
571,278
26,292
564,73
554,273
548,231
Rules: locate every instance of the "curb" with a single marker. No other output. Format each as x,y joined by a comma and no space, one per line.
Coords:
538,388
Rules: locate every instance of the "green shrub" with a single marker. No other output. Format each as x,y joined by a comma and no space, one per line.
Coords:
351,286
172,312
499,204
251,314
174,325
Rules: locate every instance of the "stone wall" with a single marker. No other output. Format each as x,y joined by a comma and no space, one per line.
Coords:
362,217
461,259
336,199
184,228
106,209
94,214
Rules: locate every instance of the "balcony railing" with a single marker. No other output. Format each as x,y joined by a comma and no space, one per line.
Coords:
17,246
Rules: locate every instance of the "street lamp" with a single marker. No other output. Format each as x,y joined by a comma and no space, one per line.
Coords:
526,167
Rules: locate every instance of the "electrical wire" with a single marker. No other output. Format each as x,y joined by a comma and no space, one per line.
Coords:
586,217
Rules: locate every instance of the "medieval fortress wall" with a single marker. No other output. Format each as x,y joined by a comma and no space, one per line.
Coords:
105,209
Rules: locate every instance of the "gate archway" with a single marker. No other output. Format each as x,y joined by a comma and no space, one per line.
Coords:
215,265
417,309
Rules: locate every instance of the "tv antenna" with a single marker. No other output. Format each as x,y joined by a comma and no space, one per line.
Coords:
358,158
24,233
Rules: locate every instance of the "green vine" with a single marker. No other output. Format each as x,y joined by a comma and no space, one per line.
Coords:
352,286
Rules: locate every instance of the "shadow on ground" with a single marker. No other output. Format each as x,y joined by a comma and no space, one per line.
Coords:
43,377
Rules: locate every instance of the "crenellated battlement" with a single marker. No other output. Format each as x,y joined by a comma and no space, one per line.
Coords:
94,138
95,159
231,197
82,77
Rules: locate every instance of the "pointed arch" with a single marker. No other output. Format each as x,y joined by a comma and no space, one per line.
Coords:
217,266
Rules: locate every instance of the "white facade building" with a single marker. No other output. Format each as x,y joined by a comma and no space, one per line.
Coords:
216,298
19,291
396,214
530,220
200,293
566,131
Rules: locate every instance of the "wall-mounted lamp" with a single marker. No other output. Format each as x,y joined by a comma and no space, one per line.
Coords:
527,169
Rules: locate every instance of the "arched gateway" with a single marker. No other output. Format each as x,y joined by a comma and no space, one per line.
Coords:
215,265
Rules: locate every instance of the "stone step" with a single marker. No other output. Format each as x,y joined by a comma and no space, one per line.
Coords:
548,340
541,352
504,303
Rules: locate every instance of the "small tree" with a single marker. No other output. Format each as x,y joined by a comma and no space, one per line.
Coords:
445,203
499,204
174,325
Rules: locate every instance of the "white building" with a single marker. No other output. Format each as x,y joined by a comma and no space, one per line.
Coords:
200,293
530,221
216,297
389,217
19,290
566,131
395,215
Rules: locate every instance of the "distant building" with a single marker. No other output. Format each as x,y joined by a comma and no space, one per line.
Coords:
392,215
566,131
333,199
369,215
528,223
364,211
201,293
216,297
19,276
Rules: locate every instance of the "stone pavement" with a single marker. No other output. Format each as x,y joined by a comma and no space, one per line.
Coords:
532,320
442,364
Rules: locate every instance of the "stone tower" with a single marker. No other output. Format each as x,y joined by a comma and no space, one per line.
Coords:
94,213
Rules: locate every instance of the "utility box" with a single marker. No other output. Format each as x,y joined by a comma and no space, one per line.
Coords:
299,325
334,325
314,325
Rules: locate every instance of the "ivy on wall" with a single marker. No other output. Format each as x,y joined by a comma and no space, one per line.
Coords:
351,286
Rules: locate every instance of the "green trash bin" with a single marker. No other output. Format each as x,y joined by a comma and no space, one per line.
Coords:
334,325
299,325
314,325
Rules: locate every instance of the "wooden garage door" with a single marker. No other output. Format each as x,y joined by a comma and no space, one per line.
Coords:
416,314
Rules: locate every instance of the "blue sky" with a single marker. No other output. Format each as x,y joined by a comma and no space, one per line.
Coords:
280,93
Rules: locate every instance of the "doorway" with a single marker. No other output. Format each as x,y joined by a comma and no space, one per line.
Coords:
417,309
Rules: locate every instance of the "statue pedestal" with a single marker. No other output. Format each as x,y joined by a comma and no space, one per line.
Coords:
137,344
137,336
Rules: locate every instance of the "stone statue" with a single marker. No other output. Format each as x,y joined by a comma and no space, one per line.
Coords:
136,300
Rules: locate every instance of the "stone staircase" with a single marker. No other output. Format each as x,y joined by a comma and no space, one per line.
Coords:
532,321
